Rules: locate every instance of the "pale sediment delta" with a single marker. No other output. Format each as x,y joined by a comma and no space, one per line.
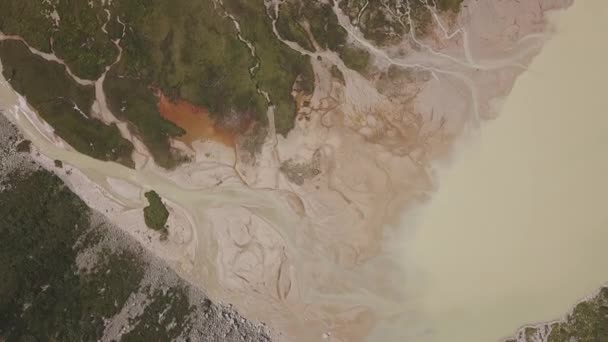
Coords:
314,257
517,232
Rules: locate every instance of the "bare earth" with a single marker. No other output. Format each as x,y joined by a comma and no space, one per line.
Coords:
299,234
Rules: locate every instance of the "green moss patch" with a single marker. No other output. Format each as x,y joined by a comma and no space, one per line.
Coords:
156,214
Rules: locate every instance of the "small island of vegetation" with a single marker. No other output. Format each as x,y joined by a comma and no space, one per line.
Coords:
156,214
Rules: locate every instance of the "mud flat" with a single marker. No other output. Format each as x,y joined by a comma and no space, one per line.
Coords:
517,232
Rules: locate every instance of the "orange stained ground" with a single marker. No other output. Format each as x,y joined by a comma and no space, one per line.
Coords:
195,121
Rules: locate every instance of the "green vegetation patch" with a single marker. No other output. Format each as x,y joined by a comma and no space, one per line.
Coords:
186,50
43,296
29,19
325,29
280,66
337,74
74,26
189,51
80,40
24,146
156,214
588,322
375,21
449,5
291,28
63,103
355,58
131,100
318,16
173,323
386,22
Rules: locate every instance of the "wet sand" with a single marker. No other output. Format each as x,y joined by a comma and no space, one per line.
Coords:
518,230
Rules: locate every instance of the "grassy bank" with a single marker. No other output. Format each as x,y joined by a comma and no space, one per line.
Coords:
63,103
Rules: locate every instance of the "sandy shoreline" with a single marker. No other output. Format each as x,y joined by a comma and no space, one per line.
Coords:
307,255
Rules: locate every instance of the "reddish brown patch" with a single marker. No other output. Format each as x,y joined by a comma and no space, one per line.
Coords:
195,121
